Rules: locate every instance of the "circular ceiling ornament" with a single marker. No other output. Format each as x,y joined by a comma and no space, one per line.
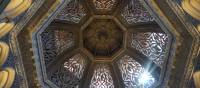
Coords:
103,37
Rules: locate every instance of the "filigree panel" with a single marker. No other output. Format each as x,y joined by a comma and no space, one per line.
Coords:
104,4
63,40
102,77
70,73
131,72
135,12
72,12
152,45
76,65
48,45
63,79
55,42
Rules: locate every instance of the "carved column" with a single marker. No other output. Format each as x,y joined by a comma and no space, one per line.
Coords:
8,12
192,7
5,27
7,77
196,77
4,52
15,8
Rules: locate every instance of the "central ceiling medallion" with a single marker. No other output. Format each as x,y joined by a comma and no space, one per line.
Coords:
103,37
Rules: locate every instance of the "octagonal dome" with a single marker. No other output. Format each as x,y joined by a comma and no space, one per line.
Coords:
120,48
129,42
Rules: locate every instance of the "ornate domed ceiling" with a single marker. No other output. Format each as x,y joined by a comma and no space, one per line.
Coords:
104,47
97,44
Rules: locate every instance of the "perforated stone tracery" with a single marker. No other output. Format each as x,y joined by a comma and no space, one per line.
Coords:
55,42
131,72
72,12
104,4
102,77
135,12
69,74
153,45
76,65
